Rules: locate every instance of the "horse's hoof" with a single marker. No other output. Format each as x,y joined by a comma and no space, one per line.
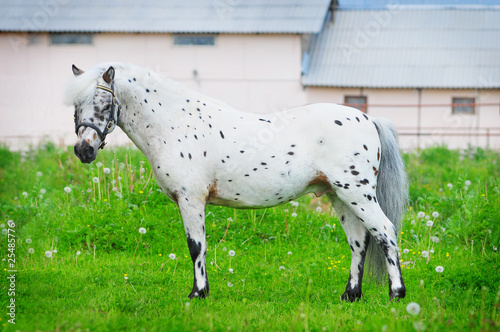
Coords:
201,294
397,294
350,296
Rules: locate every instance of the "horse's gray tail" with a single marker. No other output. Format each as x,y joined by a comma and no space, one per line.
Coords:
392,192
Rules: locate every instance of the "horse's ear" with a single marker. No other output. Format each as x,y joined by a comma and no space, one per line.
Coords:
76,71
109,75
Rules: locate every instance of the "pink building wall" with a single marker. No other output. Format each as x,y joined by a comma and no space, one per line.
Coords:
255,73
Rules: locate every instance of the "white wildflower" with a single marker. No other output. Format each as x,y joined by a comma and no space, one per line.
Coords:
28,241
31,250
67,190
48,254
293,203
142,230
231,253
282,268
430,223
99,164
319,209
289,253
294,215
435,214
229,284
425,254
421,214
171,256
231,270
39,174
467,183
413,308
106,170
405,251
95,179
439,269
25,194
449,185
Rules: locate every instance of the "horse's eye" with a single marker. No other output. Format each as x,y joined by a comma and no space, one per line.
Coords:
106,107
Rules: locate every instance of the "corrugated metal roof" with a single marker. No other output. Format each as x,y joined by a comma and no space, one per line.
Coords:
433,48
164,16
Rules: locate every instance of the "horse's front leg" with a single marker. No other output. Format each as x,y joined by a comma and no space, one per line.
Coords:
193,214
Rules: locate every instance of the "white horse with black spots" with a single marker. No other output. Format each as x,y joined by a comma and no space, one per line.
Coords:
204,152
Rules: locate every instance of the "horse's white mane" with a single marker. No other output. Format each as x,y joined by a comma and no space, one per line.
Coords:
81,89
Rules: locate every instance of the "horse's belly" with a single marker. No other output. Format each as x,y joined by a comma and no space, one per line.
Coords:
266,193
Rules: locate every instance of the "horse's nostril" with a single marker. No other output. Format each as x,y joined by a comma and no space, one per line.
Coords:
89,151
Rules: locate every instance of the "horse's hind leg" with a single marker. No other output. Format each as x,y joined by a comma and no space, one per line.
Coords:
383,231
358,239
193,216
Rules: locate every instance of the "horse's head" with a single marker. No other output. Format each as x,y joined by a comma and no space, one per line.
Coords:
96,113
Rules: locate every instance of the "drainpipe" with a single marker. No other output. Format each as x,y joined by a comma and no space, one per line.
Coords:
419,115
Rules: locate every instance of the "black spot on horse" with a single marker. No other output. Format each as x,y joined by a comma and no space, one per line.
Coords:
147,90
182,155
338,122
365,116
352,167
146,101
354,203
357,244
221,134
354,172
365,147
364,181
291,153
204,153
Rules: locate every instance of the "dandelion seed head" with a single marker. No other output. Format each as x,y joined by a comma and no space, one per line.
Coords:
231,253
4,231
25,194
319,209
95,179
229,284
413,308
439,269
31,250
230,270
224,249
171,256
293,203
435,239
449,185
429,223
67,190
142,230
78,253
54,251
43,191
413,222
289,253
48,254
421,214
467,183
106,170
282,268
405,251
294,215
98,164
435,214
466,188
2,225
427,217
39,174
425,254
28,241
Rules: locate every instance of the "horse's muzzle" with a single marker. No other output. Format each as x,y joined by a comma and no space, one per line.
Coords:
85,152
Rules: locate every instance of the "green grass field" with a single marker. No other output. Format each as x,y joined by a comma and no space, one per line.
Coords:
291,263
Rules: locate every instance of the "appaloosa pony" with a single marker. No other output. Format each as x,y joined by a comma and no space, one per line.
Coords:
204,152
